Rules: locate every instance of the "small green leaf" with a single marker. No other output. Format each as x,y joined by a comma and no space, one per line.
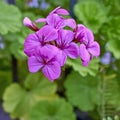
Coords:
91,13
82,91
19,100
114,47
55,110
10,18
91,69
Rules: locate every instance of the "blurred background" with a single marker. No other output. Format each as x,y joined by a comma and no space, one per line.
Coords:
81,93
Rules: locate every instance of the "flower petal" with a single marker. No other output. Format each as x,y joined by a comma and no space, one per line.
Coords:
84,54
48,52
40,20
62,57
34,64
55,21
89,35
30,44
64,37
60,11
70,23
47,33
94,49
52,71
72,50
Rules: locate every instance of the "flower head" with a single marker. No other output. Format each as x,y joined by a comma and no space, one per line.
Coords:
45,59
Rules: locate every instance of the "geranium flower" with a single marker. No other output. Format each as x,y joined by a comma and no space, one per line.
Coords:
39,39
66,46
45,59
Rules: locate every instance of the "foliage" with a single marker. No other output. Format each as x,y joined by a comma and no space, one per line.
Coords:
54,110
91,13
82,91
93,89
10,17
19,99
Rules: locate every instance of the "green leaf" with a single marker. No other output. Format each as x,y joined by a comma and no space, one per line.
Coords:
82,91
92,69
10,18
114,47
55,110
18,100
91,13
112,33
16,49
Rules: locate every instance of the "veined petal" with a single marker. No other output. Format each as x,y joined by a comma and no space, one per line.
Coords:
64,37
34,64
70,23
30,44
89,35
94,49
52,71
84,54
40,20
62,57
72,50
48,52
55,21
85,63
47,33
60,11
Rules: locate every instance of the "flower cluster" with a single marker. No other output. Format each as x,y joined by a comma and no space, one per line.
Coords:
50,46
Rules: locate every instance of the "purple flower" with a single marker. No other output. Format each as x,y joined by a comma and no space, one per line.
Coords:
45,59
57,21
28,23
39,39
83,34
92,49
66,46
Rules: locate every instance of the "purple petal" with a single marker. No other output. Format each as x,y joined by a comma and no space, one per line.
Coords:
72,50
40,20
64,37
60,11
47,33
62,57
70,23
94,49
52,71
84,54
34,64
31,43
48,52
89,35
28,23
55,21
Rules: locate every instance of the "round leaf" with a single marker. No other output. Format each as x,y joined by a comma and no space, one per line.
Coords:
10,18
91,13
82,91
55,110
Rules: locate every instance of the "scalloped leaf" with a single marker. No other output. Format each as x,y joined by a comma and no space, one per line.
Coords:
19,100
113,34
92,69
55,110
82,91
10,18
91,13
